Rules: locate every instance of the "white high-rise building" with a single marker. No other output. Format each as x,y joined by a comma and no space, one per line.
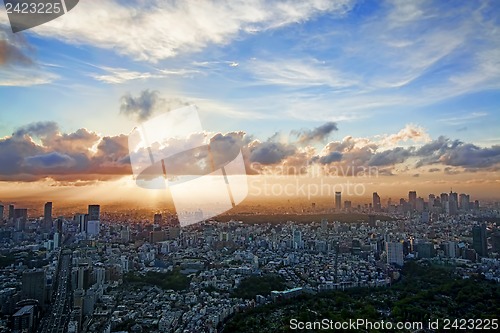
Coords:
450,249
57,241
394,252
93,228
100,275
297,239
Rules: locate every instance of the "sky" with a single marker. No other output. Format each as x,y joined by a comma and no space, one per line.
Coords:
411,88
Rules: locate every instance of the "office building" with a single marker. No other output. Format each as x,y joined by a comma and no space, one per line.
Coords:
94,213
347,204
24,320
47,216
297,239
376,202
479,241
93,222
450,249
93,228
464,202
57,240
452,203
21,213
432,199
495,241
20,218
11,212
324,225
394,251
82,220
338,200
59,225
157,219
371,221
412,199
33,285
1,213
419,205
125,234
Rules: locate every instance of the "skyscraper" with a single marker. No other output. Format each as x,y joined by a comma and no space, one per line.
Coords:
47,216
59,225
1,213
157,219
464,202
11,212
21,213
479,242
419,204
93,227
338,200
347,204
453,203
94,213
33,285
432,199
412,199
394,251
376,202
371,221
495,241
82,220
93,223
324,225
297,239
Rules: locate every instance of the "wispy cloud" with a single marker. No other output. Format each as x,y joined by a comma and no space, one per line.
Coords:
299,73
114,75
120,75
463,118
164,29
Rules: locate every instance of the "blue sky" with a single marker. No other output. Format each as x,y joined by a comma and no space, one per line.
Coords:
372,67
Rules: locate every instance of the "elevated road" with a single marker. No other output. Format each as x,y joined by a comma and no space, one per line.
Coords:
57,320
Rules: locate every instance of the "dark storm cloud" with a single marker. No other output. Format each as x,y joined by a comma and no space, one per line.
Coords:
318,134
471,156
39,129
431,152
458,154
333,156
270,152
61,155
50,160
390,157
141,106
86,155
13,153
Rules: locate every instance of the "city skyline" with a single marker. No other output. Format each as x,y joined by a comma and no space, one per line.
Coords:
449,203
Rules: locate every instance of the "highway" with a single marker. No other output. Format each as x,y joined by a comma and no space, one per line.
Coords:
57,320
